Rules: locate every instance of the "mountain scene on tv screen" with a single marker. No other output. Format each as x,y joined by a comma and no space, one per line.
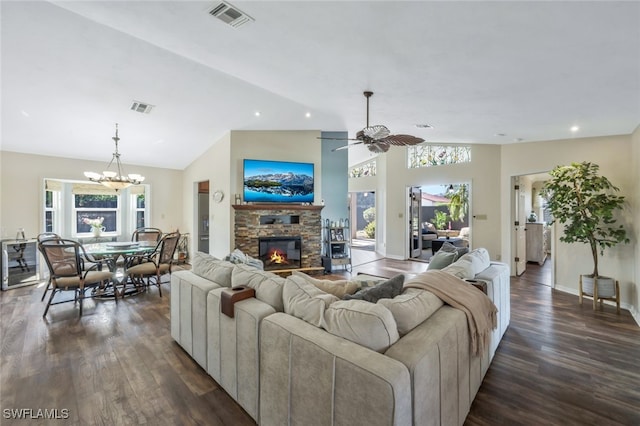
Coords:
280,186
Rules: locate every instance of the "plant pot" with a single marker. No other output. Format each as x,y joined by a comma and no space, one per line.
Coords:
606,286
96,231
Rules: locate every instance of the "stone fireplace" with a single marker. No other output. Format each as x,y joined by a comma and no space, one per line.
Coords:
280,252
263,222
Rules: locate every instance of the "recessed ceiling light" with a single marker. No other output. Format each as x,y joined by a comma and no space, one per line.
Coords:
308,115
518,140
574,128
424,126
501,134
257,113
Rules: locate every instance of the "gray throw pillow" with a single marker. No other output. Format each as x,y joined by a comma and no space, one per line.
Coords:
385,290
442,259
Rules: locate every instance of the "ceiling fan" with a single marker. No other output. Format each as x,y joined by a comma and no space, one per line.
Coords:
377,138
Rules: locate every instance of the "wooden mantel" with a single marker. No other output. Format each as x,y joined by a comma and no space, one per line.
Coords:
276,206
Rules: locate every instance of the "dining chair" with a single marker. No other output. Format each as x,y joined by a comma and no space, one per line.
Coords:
147,234
153,265
66,262
40,238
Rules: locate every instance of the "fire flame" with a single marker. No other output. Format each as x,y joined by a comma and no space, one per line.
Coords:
277,257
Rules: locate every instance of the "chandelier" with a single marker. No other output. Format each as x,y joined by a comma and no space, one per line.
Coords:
115,179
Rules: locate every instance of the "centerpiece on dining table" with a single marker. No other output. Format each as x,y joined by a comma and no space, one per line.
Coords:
96,225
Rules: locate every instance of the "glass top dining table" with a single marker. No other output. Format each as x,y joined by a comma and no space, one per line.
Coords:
112,251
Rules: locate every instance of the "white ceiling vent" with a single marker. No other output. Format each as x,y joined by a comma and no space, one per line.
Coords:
142,107
230,14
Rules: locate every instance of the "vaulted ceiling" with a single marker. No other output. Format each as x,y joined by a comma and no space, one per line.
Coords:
478,72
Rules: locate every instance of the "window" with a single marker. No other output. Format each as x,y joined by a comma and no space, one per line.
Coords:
92,207
139,207
366,169
437,155
68,206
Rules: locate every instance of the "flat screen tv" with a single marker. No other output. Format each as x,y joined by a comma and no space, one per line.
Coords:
277,182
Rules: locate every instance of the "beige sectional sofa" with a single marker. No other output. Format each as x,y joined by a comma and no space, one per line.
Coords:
297,355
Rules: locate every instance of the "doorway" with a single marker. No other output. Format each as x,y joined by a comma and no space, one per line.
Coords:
531,236
363,220
202,209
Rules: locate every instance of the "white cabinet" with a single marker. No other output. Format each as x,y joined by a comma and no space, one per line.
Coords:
536,242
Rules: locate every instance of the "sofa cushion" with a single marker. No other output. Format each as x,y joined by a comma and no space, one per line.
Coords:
213,269
385,289
411,308
268,286
462,268
367,324
479,259
336,287
441,259
305,301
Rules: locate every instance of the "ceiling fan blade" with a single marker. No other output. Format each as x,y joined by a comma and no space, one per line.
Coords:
378,147
402,140
376,132
346,146
337,139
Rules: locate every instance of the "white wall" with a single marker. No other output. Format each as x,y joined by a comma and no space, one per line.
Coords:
393,178
635,290
613,155
215,167
221,165
22,185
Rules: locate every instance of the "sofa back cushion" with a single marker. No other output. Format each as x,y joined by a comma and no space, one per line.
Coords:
268,286
338,288
479,258
305,301
213,269
411,308
368,324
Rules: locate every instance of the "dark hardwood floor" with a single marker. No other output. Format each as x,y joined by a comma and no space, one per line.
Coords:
559,363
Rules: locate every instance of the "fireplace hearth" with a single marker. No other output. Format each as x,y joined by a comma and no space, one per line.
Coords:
280,252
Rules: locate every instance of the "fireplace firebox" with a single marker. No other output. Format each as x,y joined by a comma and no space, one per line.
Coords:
280,252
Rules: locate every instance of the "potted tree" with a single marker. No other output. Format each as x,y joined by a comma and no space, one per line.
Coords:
585,203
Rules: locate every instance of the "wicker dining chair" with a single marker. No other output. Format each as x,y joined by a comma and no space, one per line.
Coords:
147,234
66,262
153,265
43,237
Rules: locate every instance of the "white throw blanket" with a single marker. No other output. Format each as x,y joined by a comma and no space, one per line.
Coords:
480,311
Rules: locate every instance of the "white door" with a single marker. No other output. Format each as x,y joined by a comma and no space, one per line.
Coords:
415,221
519,222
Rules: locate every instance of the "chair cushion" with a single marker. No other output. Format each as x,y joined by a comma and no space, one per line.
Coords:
147,268
92,277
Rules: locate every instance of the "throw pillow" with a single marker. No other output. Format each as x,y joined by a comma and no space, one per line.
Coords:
386,289
462,268
338,287
367,324
441,259
479,258
449,248
412,308
305,301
